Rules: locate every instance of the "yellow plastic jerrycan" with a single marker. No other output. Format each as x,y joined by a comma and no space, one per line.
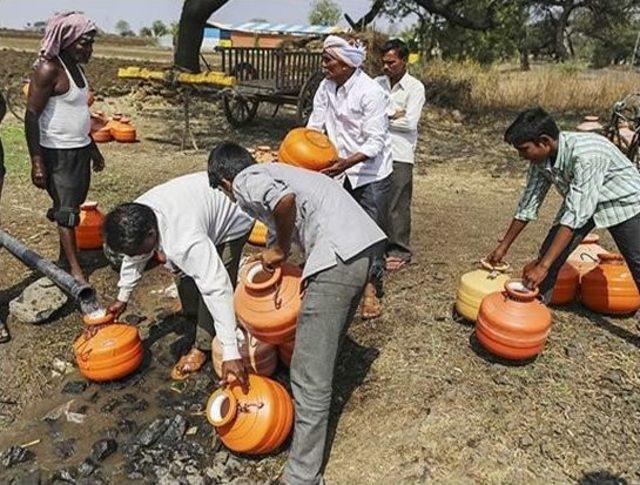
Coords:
475,285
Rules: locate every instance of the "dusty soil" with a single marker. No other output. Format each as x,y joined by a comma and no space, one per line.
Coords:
417,399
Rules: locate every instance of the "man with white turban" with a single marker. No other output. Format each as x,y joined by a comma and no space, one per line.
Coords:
351,108
57,125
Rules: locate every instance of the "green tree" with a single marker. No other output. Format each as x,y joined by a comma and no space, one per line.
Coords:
324,12
123,28
476,29
159,28
145,32
492,30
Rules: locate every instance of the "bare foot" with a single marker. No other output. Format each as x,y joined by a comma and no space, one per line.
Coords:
371,305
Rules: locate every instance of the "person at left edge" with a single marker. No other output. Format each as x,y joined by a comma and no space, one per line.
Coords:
198,233
4,331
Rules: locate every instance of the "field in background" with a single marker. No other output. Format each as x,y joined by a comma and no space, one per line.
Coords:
470,87
107,46
466,86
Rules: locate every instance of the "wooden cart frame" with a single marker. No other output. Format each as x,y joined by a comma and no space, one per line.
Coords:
269,75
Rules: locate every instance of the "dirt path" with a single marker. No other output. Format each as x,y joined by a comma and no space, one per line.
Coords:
420,401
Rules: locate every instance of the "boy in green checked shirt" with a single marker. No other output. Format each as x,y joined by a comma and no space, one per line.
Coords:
600,187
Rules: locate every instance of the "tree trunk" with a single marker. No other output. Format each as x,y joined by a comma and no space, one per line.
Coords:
195,14
523,50
561,26
361,24
524,58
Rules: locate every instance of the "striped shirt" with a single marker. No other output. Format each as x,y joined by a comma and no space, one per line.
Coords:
593,176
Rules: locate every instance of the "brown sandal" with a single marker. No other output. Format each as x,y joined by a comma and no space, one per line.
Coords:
188,364
393,263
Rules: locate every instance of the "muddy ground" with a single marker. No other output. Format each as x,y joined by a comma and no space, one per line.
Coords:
417,400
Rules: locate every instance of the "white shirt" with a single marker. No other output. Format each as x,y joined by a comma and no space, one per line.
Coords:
408,95
355,119
192,219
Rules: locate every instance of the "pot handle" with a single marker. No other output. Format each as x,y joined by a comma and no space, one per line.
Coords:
582,255
246,407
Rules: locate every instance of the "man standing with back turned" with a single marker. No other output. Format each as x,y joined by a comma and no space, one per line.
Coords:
338,238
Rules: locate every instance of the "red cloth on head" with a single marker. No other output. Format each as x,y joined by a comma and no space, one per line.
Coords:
63,29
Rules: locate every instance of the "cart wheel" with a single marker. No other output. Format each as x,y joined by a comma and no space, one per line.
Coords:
305,98
239,110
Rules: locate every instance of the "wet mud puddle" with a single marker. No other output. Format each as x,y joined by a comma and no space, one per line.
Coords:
143,429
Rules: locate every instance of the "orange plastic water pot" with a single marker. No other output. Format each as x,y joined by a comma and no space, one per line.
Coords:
267,303
513,323
285,352
103,135
258,235
110,352
567,285
89,231
123,131
609,288
257,422
100,128
585,257
307,148
259,357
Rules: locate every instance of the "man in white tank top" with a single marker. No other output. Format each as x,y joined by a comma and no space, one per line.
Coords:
57,125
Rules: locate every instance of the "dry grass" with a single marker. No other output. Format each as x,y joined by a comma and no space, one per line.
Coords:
472,87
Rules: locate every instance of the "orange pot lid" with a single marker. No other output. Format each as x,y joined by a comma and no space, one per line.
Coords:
222,407
97,318
490,267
